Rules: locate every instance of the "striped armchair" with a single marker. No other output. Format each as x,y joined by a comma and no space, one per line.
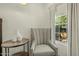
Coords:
41,44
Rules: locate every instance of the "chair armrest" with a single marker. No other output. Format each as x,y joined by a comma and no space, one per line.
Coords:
33,47
54,47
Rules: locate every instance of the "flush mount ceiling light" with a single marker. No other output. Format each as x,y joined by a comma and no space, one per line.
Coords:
24,4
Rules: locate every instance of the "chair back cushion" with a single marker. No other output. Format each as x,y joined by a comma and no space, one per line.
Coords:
41,35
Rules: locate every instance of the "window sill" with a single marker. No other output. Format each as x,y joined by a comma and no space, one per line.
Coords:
60,43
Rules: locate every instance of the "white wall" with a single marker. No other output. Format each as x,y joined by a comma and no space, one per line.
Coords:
17,17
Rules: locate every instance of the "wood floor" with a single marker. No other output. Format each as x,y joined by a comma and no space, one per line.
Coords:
21,54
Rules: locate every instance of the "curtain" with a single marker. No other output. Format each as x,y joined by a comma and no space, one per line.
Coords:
74,29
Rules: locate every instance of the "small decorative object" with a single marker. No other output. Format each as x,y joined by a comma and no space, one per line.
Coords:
63,36
19,36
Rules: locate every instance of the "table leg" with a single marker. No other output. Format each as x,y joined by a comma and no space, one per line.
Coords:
28,46
5,51
8,51
24,48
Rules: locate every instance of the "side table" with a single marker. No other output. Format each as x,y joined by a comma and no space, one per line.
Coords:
12,44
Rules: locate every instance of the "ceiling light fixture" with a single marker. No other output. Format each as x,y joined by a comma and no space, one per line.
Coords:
23,4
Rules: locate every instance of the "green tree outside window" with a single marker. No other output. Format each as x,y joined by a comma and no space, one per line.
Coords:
61,20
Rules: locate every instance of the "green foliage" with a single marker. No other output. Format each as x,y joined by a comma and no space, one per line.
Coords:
61,20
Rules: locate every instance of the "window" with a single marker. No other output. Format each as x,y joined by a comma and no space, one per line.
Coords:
61,23
61,28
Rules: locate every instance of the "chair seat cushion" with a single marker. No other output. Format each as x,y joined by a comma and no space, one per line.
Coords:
43,50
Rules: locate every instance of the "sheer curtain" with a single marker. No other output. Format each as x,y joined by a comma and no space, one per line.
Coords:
74,29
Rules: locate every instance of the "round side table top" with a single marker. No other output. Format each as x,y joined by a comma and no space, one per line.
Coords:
10,43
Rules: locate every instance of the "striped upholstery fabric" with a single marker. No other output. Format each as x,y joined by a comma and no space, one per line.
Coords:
41,35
